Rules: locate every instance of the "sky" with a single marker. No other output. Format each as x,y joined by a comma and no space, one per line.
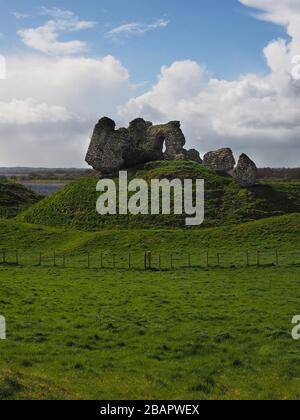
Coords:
225,69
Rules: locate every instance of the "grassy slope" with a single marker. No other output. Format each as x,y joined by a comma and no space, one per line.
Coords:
15,198
225,202
226,245
281,232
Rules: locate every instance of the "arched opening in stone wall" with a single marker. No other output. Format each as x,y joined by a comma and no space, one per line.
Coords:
162,142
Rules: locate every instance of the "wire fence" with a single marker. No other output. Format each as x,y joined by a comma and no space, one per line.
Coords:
146,260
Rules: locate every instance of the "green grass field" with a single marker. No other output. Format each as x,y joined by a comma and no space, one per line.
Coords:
221,333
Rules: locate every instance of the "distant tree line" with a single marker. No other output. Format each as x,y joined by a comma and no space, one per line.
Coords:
16,174
286,174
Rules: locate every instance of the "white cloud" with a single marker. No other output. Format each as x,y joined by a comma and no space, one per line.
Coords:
283,12
57,13
45,38
255,114
136,28
21,16
49,106
67,20
279,53
29,111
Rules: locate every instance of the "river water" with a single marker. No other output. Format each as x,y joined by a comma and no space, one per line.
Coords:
44,189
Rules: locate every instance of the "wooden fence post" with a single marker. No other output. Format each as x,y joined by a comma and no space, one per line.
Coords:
258,258
148,260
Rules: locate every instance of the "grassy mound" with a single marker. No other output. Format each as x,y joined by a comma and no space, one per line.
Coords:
225,202
282,232
15,198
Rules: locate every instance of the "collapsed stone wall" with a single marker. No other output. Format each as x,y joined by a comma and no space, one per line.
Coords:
111,150
222,161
